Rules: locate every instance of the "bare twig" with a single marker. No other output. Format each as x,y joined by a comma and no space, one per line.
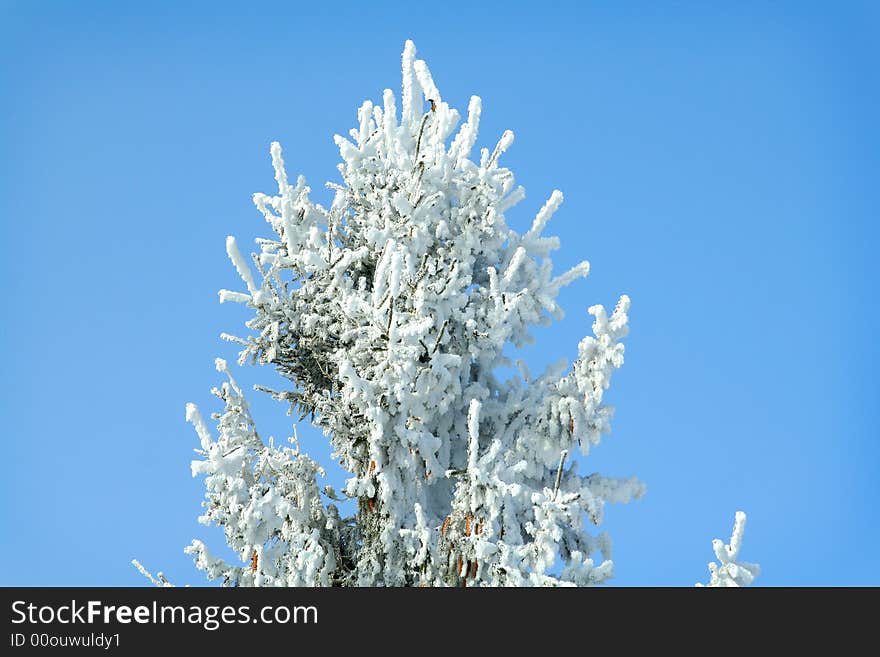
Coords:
421,130
440,337
559,473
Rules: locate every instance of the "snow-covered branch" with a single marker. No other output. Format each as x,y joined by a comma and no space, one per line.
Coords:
730,572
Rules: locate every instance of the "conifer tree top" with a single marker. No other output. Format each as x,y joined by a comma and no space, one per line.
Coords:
388,315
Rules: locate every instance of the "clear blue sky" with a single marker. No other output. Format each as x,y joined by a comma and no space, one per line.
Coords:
720,166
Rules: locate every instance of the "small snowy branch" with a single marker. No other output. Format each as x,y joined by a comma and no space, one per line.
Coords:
730,572
159,580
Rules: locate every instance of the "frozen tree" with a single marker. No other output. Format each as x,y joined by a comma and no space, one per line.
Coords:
731,572
387,315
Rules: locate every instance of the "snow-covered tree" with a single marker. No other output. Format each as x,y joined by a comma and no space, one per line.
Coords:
388,314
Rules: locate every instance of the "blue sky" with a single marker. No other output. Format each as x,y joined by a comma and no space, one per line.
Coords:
720,166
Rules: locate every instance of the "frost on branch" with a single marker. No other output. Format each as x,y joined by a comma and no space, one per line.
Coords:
267,501
388,313
731,572
159,580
